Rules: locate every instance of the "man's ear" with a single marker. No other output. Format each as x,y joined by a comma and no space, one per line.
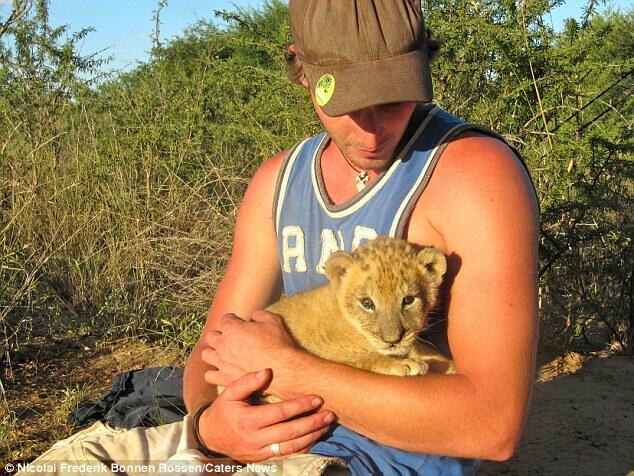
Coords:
296,65
433,264
337,265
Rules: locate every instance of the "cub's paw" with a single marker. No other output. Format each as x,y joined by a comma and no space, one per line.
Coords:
408,367
450,367
262,398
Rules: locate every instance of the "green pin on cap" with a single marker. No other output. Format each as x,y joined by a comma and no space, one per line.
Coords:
324,89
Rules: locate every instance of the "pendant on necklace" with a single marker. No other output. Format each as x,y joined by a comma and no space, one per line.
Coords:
361,180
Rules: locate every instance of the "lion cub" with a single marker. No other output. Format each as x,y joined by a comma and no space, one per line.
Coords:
369,314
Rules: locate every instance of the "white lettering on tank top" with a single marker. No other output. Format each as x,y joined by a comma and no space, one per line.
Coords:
361,234
293,251
293,245
328,246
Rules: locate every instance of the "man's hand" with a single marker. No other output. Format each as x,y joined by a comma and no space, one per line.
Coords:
240,346
245,433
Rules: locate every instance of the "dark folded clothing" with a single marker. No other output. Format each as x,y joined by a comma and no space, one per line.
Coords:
144,397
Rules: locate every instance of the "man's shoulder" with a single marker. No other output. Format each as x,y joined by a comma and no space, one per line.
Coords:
265,178
477,175
479,139
268,173
479,159
273,165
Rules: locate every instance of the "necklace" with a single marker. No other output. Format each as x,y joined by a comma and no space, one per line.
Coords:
361,180
363,175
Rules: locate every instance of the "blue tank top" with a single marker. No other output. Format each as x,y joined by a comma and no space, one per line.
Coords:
309,228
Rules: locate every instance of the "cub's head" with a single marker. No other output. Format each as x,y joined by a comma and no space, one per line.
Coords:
385,289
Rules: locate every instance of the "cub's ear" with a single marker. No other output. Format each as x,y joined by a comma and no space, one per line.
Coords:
337,265
433,264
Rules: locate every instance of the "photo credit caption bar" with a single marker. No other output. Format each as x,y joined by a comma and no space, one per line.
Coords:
154,468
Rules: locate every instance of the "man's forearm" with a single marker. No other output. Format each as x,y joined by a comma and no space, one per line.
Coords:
195,389
440,414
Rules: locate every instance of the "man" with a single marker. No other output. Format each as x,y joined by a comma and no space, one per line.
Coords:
391,163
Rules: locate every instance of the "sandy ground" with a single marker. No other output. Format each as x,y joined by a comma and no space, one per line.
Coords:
581,423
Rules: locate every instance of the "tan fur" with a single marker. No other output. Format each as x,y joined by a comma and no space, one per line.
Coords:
331,321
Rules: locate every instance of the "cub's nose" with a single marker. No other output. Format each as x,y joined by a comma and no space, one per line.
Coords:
394,336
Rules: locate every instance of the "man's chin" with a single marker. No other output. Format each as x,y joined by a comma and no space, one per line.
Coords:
378,164
370,160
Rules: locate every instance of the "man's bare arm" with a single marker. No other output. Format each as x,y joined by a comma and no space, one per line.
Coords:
252,281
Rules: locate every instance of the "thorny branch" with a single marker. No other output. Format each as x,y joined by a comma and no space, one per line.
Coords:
20,8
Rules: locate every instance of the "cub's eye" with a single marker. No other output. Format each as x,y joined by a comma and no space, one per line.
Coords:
367,304
407,300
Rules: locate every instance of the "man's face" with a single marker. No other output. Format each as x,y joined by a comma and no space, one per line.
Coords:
368,137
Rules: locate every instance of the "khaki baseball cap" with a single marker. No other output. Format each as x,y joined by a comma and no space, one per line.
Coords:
361,53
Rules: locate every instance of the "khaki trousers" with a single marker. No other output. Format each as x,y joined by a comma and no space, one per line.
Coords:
160,451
